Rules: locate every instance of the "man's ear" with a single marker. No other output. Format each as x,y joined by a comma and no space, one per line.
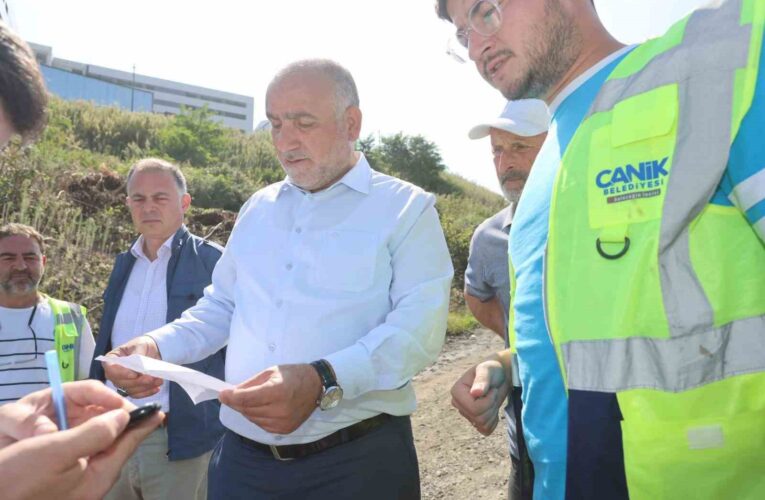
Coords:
353,123
185,201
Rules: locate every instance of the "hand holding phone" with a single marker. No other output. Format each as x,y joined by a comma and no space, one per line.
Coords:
143,412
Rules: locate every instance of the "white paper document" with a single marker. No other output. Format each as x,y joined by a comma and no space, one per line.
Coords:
199,386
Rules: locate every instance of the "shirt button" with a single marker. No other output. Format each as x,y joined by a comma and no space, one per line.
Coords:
288,267
272,347
298,230
278,438
279,303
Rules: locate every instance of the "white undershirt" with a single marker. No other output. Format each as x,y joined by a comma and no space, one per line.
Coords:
144,305
22,366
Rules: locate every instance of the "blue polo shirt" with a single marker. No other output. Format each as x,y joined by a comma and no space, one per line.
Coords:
545,405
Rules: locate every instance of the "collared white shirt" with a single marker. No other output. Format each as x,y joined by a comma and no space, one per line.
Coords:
144,305
358,274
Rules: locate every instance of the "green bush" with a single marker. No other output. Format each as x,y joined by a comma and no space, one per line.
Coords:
460,322
221,187
460,215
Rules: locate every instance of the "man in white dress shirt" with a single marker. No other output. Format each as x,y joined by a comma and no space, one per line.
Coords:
332,293
163,273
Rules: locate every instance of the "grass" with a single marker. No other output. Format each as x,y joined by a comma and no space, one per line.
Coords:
460,322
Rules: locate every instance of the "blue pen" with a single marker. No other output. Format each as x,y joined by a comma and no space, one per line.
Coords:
57,391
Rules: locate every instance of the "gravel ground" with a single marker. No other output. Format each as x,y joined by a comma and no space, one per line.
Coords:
456,462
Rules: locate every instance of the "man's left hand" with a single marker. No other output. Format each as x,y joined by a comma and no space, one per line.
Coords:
278,399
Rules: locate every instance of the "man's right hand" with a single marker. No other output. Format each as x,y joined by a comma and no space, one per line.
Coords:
81,463
135,384
479,393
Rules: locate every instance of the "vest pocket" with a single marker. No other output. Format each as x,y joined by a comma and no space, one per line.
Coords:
630,159
703,444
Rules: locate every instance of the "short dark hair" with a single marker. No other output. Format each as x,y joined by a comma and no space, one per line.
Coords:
443,14
159,165
22,90
441,10
15,229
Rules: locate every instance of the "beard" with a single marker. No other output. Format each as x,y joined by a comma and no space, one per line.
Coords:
512,194
322,173
552,49
13,286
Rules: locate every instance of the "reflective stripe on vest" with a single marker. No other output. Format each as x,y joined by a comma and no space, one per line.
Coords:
511,337
68,323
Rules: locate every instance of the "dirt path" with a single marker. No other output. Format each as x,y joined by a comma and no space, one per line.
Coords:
456,462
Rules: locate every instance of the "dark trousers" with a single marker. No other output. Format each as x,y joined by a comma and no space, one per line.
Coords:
595,469
521,483
379,465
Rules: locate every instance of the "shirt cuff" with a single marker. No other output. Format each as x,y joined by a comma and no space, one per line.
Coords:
170,349
353,369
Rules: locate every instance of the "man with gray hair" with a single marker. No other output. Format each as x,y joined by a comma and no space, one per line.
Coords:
516,137
32,323
332,294
163,274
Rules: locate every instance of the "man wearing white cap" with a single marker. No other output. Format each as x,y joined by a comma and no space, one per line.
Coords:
516,137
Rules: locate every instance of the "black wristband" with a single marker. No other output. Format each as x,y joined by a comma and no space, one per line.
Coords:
325,372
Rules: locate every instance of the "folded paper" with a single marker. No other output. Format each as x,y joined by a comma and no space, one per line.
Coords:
199,386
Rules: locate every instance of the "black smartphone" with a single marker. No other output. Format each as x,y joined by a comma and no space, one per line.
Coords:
143,412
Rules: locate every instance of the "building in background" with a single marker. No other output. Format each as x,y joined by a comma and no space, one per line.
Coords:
135,92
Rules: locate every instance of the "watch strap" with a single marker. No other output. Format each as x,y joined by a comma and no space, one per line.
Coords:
327,375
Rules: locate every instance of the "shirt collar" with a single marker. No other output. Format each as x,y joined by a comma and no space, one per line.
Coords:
509,215
137,248
358,178
582,79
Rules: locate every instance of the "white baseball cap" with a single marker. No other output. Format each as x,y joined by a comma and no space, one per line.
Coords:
525,117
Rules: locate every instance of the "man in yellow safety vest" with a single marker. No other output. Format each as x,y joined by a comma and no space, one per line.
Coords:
32,323
637,255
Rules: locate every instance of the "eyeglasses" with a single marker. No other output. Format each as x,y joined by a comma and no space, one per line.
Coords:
485,18
26,357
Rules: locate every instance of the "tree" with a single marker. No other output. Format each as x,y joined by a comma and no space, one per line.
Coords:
194,137
412,158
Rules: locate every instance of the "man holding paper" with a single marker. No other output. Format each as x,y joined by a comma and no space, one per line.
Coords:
332,293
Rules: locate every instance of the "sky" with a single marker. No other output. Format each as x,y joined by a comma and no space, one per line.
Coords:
396,50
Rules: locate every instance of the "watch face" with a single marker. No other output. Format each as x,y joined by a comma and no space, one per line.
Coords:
331,398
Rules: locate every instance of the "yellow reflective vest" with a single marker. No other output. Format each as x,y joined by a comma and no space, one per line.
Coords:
673,318
68,320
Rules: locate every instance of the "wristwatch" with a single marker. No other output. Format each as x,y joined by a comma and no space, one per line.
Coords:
332,393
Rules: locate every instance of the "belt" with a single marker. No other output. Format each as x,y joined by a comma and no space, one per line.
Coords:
344,435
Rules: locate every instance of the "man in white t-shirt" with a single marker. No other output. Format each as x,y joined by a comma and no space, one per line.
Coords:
32,323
